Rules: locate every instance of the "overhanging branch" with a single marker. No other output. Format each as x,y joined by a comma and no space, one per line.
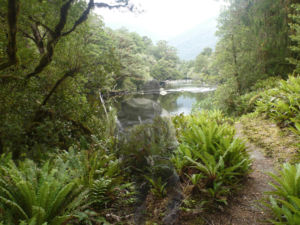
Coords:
57,33
47,58
105,5
82,18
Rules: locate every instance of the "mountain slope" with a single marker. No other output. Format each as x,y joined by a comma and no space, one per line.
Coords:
192,42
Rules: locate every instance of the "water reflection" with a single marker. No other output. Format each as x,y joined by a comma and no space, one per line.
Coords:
181,98
175,98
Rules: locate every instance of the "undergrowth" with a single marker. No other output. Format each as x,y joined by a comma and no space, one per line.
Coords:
282,104
211,163
284,201
73,187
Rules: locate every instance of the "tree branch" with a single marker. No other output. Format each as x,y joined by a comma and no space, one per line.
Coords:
12,16
82,18
57,33
38,38
69,73
26,35
105,5
47,58
41,24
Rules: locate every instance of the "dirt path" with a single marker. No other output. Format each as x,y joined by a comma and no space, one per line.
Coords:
243,208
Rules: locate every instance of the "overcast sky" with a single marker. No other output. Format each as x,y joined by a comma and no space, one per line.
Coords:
163,19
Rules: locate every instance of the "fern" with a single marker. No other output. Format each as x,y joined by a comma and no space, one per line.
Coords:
284,200
38,196
209,158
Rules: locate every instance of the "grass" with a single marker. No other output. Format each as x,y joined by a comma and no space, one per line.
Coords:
277,143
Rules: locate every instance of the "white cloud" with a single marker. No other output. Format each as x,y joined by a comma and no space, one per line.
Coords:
163,19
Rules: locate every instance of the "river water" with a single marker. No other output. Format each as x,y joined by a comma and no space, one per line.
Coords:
180,97
175,98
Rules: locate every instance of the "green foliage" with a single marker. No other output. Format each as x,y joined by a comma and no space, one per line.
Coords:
284,200
146,150
282,103
141,60
253,45
146,146
101,172
209,157
75,186
246,103
158,188
229,101
38,195
59,109
254,41
295,37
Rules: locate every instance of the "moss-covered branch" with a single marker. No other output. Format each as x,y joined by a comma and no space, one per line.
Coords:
69,73
82,18
47,58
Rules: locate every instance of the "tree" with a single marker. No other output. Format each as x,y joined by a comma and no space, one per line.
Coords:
47,40
54,60
207,52
295,37
201,63
253,41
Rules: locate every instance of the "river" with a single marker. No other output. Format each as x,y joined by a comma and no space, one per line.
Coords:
175,98
180,97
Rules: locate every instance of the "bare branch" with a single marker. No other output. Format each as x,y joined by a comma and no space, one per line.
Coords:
37,39
12,77
57,33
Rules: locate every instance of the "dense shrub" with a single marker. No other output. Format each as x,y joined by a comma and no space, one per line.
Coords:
101,172
282,104
147,147
284,200
209,158
227,99
38,195
75,186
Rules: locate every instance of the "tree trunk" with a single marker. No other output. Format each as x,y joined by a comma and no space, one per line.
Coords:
234,55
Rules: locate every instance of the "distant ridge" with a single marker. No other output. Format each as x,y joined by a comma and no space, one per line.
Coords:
192,42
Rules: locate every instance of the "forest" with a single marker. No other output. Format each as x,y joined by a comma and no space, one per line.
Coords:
64,160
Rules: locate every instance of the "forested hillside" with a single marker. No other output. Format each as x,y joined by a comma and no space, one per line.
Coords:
257,40
66,159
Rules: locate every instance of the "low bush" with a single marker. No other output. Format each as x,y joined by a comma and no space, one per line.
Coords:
284,200
209,158
77,187
227,99
38,196
101,172
282,104
146,148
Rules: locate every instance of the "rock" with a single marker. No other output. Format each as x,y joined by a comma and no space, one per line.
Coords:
139,110
152,87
